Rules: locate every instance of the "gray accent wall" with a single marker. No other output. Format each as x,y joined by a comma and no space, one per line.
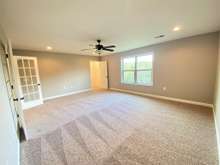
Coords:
186,67
61,73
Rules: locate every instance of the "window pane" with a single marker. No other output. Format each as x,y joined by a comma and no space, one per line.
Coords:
35,88
29,81
33,72
23,81
31,63
34,79
144,77
144,62
26,64
21,72
28,72
24,90
128,63
19,62
128,77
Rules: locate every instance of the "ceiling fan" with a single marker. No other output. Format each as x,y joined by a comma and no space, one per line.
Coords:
99,48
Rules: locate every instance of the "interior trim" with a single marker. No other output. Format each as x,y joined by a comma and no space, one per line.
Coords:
67,94
165,98
217,134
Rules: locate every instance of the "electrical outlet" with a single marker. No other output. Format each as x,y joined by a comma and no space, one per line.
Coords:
164,88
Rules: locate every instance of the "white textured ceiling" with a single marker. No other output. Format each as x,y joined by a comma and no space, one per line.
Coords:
71,25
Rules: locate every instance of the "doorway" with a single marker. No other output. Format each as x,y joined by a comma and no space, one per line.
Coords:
28,81
99,74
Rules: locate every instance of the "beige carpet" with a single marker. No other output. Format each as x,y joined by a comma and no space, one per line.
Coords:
112,128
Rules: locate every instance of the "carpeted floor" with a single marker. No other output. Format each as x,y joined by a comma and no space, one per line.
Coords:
112,128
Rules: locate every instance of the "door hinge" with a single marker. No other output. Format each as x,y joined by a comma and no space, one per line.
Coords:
16,99
6,55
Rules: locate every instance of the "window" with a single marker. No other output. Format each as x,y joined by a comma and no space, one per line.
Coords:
137,70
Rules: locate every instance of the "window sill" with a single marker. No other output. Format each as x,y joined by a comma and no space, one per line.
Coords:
136,84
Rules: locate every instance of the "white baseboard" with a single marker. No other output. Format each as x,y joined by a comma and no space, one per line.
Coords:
164,97
217,134
19,153
67,94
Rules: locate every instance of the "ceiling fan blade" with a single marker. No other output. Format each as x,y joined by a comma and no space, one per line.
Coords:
106,49
84,49
87,49
110,46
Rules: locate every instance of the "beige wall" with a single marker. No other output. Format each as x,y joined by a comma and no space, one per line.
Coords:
217,94
61,73
3,39
187,67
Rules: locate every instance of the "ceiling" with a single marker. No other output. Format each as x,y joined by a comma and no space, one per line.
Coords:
71,25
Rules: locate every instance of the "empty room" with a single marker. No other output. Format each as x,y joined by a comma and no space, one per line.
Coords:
117,82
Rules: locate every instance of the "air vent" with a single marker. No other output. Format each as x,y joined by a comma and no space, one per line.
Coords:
160,36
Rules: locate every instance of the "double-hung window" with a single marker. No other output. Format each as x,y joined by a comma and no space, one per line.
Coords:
137,69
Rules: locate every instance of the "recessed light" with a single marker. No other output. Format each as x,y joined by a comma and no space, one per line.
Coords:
177,28
49,48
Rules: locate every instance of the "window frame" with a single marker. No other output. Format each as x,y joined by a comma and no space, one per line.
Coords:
136,70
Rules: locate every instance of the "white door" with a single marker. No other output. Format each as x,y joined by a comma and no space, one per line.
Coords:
29,81
12,87
9,144
103,74
99,74
8,81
